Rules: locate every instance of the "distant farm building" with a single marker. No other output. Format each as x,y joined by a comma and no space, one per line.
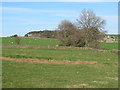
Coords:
109,38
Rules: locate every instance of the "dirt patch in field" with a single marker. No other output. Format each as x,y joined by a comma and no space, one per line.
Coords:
47,61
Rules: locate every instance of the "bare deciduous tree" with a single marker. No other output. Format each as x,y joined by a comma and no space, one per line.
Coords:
66,31
93,27
88,30
88,19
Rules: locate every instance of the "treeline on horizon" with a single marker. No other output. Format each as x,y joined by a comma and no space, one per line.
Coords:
51,32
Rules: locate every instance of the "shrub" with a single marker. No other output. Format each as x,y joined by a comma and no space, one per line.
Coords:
17,40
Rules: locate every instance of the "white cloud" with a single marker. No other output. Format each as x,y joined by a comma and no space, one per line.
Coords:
63,15
13,10
60,0
66,15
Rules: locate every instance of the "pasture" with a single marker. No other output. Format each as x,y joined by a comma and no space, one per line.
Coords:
58,54
30,41
109,46
103,74
36,75
50,42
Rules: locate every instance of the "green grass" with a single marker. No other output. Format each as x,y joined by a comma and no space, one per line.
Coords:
58,54
104,74
30,41
113,35
50,42
109,46
36,75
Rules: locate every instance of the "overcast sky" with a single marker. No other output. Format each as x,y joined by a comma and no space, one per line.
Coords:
22,17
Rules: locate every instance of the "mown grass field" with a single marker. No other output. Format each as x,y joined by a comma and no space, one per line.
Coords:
15,74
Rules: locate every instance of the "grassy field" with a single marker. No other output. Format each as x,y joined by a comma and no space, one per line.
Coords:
58,54
50,42
109,46
21,74
30,41
104,74
36,75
